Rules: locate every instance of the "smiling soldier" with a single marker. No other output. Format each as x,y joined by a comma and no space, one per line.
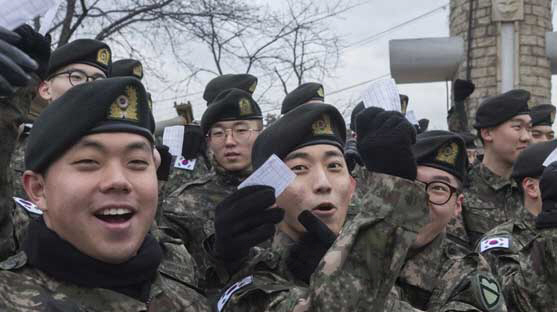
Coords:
92,172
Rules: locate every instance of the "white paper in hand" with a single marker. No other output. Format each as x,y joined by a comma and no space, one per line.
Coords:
411,117
551,158
173,137
382,93
273,173
15,13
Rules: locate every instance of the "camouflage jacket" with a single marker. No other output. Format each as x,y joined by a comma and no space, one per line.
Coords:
188,213
24,288
443,276
358,271
13,111
489,200
523,259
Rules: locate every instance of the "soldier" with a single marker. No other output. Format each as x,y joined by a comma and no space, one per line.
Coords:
72,64
231,124
519,250
371,247
17,83
503,124
308,92
94,178
543,116
435,263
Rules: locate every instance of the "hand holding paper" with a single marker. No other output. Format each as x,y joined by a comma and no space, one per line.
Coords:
273,173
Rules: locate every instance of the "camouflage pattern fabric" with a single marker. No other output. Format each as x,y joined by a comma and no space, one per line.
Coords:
489,200
365,259
13,111
188,213
23,288
467,284
526,267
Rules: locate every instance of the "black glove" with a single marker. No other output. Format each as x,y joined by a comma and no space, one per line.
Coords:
243,220
384,140
462,89
36,46
193,141
351,154
166,162
13,63
548,187
305,254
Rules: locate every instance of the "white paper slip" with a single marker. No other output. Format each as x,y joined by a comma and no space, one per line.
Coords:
15,13
186,164
382,93
273,173
551,158
173,137
411,117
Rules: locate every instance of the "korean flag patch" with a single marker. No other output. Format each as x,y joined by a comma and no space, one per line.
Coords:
494,242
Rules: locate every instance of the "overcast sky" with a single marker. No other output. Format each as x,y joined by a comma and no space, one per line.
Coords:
359,62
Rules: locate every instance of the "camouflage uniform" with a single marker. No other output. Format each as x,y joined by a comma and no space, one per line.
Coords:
189,212
13,111
24,288
179,177
365,259
489,200
526,266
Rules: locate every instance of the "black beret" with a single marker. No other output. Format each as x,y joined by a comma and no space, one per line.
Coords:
127,67
244,82
82,51
357,109
443,150
309,91
498,109
542,115
469,139
308,124
231,104
529,162
108,105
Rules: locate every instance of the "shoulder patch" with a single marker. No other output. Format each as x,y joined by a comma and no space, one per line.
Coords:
28,206
487,291
185,164
231,290
503,241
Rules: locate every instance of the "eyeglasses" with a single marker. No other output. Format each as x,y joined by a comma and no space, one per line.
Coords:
77,77
239,132
438,192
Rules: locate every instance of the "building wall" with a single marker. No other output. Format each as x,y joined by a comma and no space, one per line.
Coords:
532,66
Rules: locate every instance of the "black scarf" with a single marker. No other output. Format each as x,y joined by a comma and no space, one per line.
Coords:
54,256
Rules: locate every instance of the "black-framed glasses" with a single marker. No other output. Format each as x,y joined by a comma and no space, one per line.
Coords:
439,192
77,77
240,133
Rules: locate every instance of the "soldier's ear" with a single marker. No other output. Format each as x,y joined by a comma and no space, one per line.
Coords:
44,91
531,187
458,208
487,135
34,185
